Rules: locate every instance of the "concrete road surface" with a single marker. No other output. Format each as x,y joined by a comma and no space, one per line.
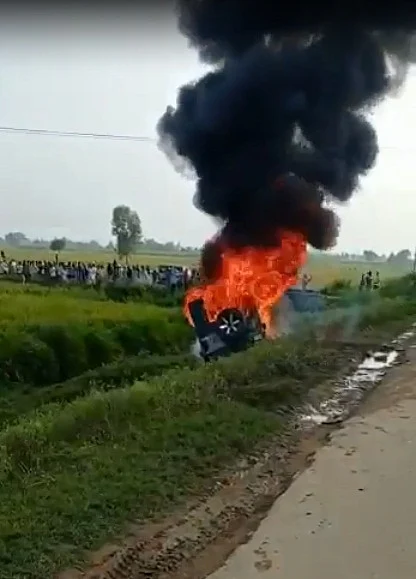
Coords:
352,515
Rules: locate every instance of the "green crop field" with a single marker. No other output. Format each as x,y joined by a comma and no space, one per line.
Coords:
151,259
51,334
23,309
325,269
106,417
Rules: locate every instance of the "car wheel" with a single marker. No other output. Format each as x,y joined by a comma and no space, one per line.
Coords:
231,323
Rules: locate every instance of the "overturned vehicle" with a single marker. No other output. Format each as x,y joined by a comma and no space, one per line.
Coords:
235,330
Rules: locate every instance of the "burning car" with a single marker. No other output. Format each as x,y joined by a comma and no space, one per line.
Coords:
235,330
232,331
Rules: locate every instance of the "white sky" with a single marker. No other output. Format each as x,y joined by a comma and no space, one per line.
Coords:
118,77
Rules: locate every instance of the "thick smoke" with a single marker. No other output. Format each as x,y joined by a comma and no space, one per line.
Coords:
279,125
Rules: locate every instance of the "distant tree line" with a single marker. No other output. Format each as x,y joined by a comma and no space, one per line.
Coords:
126,229
402,257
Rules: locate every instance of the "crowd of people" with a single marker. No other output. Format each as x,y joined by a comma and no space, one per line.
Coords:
94,273
369,281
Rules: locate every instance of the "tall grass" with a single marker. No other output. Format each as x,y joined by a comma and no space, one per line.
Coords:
23,309
70,290
48,337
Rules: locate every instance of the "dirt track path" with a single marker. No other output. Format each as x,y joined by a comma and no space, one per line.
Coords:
352,513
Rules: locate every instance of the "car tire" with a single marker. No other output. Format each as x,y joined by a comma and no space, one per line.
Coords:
231,323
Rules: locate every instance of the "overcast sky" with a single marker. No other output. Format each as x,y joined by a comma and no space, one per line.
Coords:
118,77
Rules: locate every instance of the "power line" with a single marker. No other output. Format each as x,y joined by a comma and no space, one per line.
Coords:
116,137
76,134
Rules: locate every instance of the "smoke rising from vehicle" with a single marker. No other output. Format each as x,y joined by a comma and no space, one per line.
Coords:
279,126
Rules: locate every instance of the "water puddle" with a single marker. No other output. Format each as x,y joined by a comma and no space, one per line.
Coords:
352,388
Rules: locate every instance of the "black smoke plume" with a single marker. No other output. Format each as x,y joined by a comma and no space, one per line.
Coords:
280,124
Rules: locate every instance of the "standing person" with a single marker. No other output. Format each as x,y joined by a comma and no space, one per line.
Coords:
62,273
116,270
306,280
79,272
110,270
25,272
362,282
369,280
172,279
92,273
154,276
99,278
376,283
185,278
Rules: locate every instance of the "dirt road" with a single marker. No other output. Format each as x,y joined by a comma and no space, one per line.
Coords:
352,513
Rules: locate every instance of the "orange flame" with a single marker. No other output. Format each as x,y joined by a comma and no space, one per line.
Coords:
252,278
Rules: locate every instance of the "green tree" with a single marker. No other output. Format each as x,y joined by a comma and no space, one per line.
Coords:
16,239
370,255
402,257
127,229
57,244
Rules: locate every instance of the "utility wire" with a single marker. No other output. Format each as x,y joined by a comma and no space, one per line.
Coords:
47,132
115,137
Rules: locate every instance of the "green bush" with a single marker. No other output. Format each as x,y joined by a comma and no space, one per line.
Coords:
46,354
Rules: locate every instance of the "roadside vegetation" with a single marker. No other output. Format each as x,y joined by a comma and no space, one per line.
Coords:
50,337
130,439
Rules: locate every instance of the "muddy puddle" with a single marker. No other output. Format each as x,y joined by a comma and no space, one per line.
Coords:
351,389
